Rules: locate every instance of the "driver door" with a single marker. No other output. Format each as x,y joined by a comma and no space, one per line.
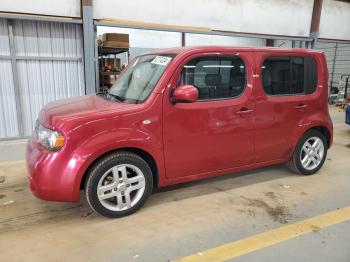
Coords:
216,132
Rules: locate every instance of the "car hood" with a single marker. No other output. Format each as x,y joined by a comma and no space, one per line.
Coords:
72,110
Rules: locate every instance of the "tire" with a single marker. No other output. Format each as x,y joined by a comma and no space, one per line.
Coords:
118,184
300,167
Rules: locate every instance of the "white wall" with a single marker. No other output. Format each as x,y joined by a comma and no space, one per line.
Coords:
70,8
335,20
276,17
288,17
145,38
200,40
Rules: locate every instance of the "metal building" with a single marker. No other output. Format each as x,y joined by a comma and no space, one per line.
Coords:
338,60
43,46
39,62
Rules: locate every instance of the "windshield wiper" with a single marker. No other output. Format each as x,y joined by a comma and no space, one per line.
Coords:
110,96
116,97
100,93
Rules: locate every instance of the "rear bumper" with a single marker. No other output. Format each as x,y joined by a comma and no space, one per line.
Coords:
52,175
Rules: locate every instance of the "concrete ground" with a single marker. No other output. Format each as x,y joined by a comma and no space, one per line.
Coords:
185,219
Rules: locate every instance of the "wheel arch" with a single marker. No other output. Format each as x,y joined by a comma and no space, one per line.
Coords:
324,131
150,160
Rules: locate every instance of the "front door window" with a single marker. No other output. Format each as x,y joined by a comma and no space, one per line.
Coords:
215,77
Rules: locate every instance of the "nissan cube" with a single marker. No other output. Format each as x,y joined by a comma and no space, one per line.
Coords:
179,115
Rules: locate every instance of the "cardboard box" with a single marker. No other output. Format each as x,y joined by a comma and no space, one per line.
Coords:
115,40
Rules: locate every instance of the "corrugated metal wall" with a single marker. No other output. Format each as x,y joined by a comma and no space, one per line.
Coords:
337,55
49,58
8,116
338,60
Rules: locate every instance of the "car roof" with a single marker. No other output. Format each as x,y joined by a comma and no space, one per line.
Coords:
191,49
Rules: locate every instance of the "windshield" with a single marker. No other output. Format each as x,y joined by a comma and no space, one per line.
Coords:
139,78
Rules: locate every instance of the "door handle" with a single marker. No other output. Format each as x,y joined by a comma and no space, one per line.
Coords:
301,106
244,111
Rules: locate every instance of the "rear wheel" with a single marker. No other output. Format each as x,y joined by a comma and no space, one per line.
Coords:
118,184
309,154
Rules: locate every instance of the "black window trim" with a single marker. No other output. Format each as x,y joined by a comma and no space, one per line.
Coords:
290,56
219,55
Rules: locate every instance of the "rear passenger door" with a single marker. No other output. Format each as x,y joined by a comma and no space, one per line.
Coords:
285,94
216,132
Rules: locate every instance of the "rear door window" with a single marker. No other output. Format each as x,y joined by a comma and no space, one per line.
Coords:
289,75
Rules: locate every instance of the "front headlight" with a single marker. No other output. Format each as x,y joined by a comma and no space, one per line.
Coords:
50,139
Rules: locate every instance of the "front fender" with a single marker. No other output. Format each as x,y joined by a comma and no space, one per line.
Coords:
94,138
120,138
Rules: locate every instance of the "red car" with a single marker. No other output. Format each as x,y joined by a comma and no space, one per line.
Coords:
179,115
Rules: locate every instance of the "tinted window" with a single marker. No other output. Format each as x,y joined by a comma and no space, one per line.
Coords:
285,75
215,77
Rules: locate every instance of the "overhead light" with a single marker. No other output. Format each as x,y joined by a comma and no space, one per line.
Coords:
215,66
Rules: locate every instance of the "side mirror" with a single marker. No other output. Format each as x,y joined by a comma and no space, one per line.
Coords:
185,94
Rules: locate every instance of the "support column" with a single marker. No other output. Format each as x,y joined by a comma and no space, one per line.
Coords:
183,39
333,65
15,79
97,72
315,21
89,47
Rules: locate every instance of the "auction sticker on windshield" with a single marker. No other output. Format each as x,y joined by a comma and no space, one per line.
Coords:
161,60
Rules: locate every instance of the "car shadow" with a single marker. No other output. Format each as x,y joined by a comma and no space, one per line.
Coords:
218,184
26,210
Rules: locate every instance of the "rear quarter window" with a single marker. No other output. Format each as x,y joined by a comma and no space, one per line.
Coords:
289,75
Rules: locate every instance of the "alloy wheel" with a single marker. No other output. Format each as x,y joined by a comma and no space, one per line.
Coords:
312,152
121,187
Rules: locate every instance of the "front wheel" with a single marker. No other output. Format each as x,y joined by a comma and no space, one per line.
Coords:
309,154
118,184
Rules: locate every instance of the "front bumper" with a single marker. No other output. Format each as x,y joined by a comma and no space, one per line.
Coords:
52,176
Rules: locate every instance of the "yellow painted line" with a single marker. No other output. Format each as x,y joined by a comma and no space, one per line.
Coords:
269,238
15,162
